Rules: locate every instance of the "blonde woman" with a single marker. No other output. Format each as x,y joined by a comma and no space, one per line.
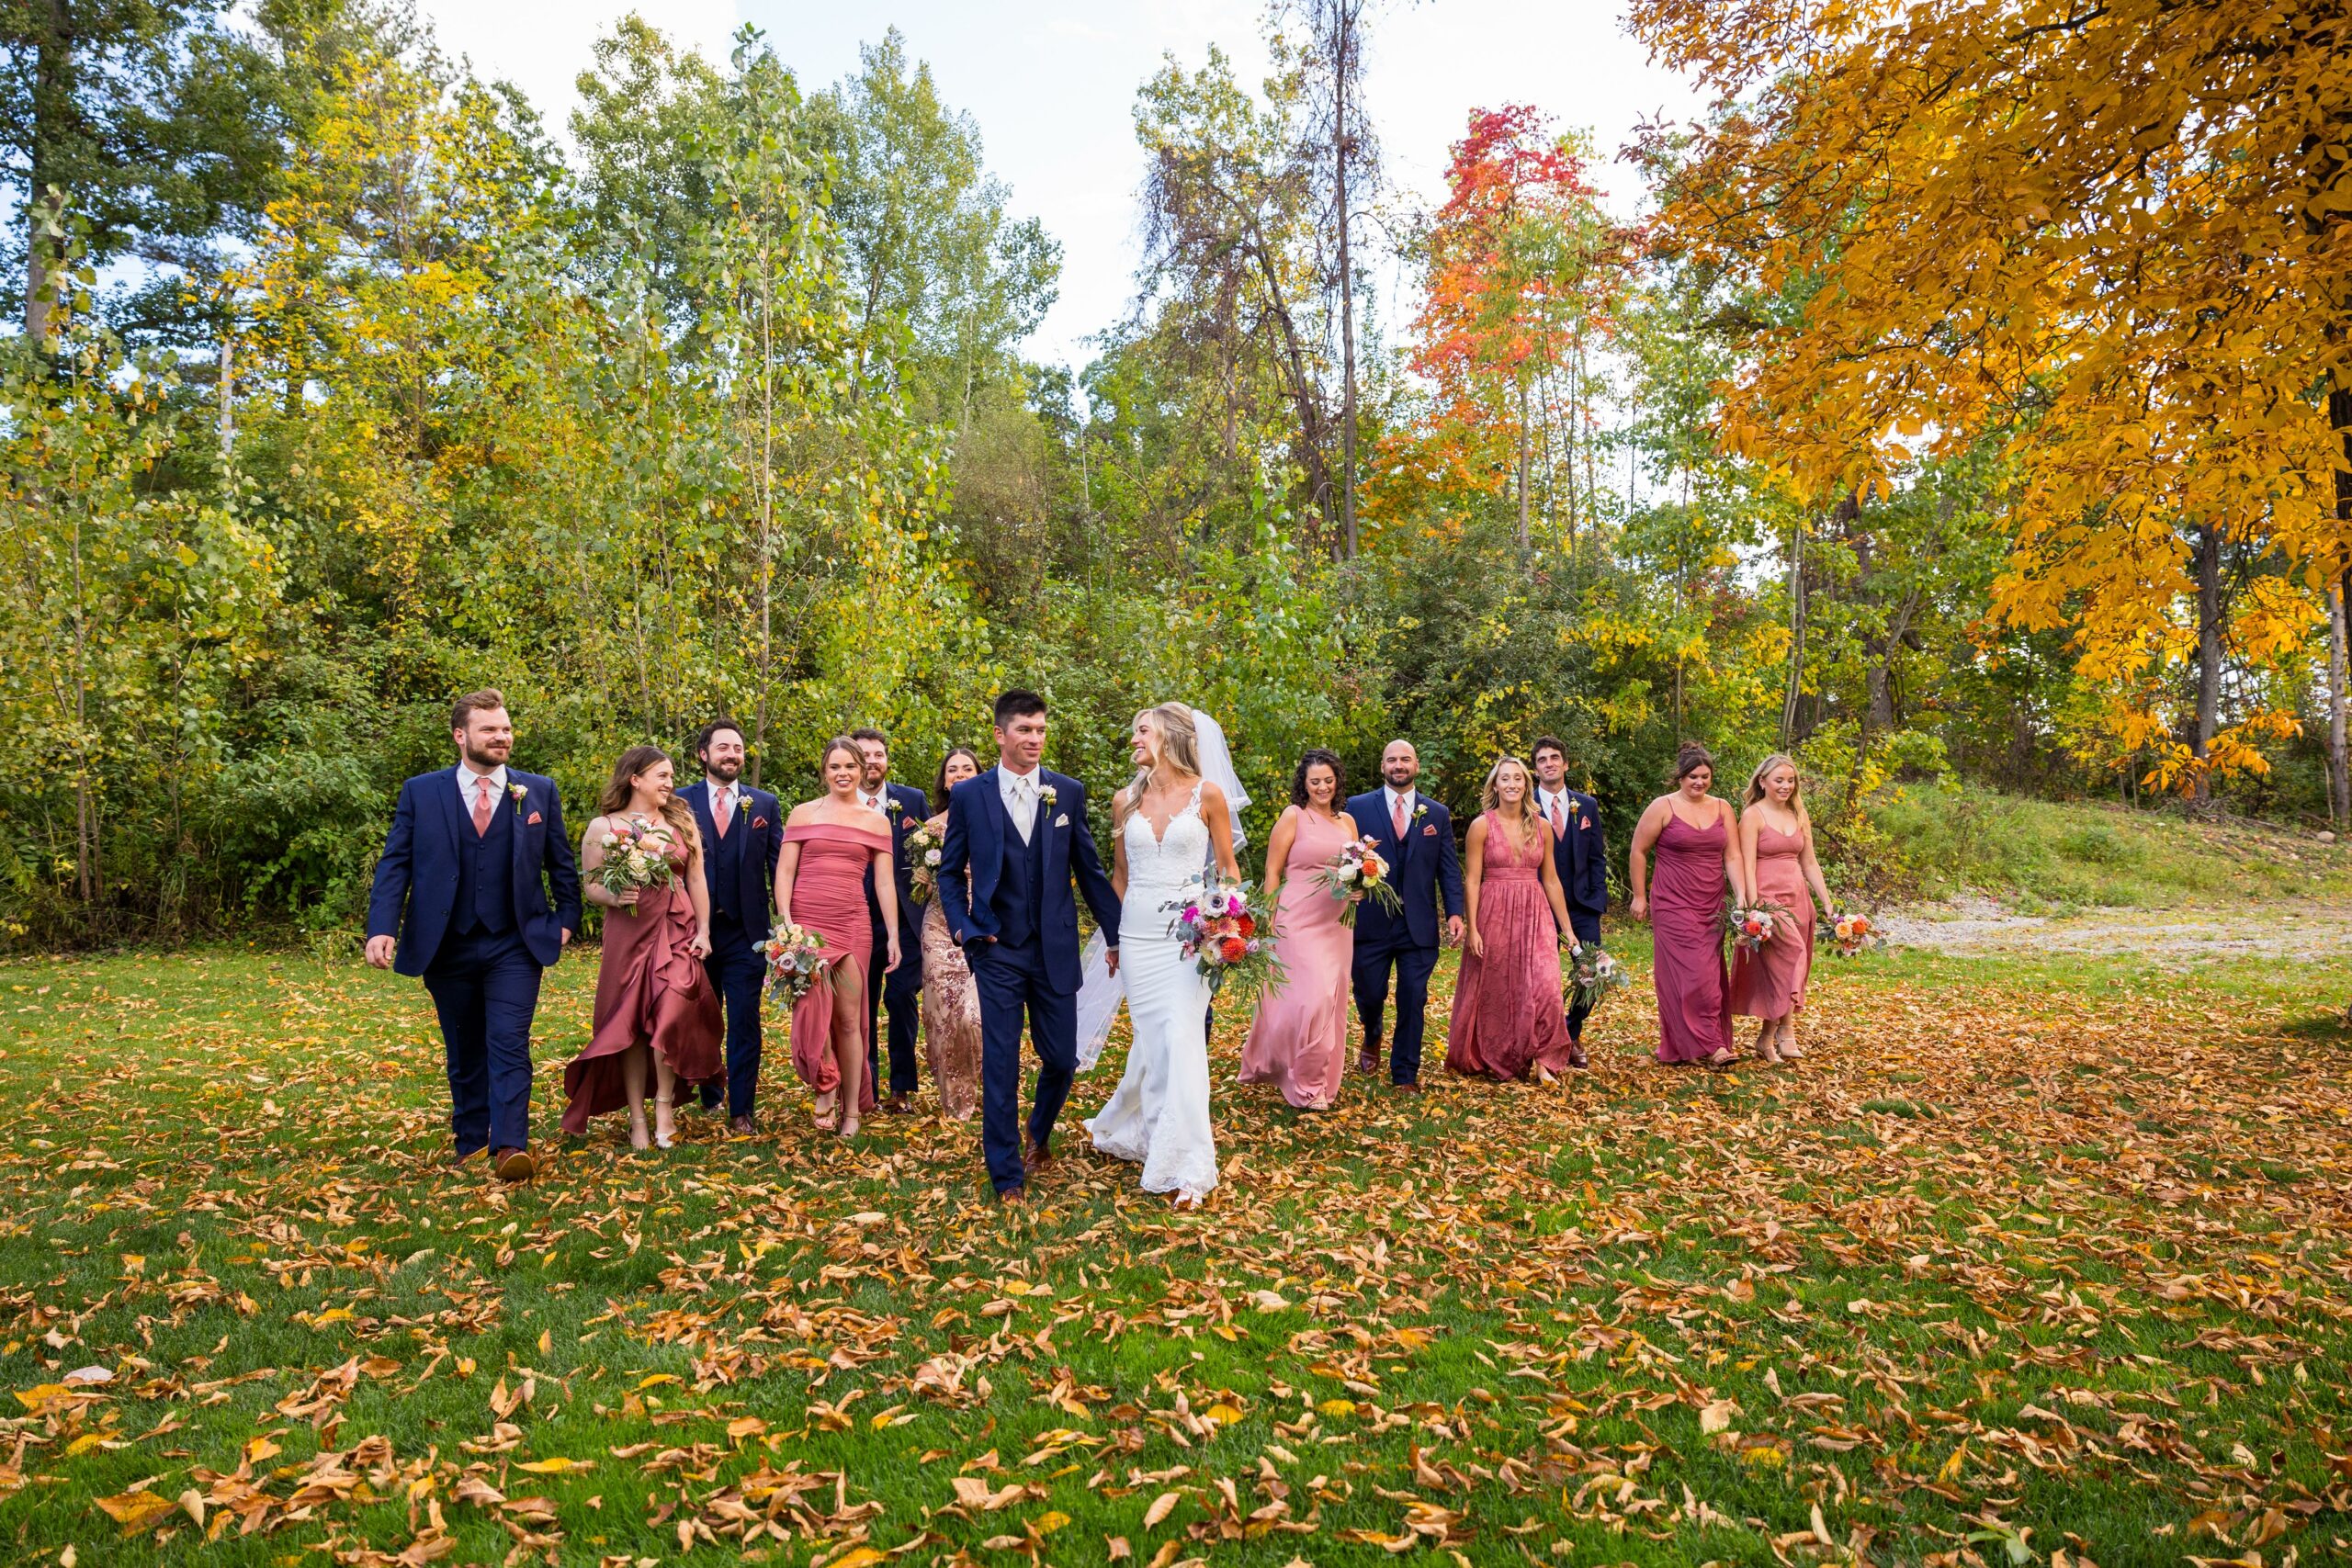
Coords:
1507,1018
1172,825
832,845
1776,852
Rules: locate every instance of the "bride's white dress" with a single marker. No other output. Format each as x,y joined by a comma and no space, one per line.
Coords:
1158,1116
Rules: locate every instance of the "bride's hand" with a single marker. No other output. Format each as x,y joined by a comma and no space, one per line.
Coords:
1111,961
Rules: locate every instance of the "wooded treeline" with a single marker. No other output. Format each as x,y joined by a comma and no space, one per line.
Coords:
340,386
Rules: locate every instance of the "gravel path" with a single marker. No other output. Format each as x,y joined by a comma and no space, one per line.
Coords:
2312,932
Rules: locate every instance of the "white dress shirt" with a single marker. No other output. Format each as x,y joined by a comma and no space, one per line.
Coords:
1020,793
469,784
733,794
1544,799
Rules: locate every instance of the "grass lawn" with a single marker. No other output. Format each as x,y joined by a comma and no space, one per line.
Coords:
2024,1263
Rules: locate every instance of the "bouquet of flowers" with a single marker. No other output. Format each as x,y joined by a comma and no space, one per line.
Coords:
637,857
1752,927
1357,873
1232,942
1853,934
796,960
1593,972
924,880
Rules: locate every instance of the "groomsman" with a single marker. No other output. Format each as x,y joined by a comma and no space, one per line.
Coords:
742,834
477,894
1416,835
1581,856
900,990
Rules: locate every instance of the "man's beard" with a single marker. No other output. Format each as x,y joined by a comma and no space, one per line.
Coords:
483,761
725,772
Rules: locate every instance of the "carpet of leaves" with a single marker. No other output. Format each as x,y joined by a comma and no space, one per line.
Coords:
1997,1276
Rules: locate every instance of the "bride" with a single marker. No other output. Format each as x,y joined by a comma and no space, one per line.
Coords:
1171,823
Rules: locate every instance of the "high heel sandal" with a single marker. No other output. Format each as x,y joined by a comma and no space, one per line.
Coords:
828,1117
1787,1041
663,1140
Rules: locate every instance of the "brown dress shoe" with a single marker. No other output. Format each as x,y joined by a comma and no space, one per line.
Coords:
742,1126
1404,1088
1367,1062
898,1105
1012,1195
514,1165
1035,1155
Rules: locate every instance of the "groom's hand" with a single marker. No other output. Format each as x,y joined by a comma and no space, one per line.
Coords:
380,951
1111,961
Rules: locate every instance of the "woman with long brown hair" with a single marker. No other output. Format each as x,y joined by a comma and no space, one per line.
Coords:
654,1001
1508,1022
1695,839
830,844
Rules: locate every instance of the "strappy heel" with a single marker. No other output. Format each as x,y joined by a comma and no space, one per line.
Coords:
664,1105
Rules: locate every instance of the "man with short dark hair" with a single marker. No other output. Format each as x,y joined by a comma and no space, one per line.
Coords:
899,989
1581,855
476,893
1416,834
742,834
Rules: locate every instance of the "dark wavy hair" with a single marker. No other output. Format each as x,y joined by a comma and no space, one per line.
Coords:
1690,759
1330,760
939,783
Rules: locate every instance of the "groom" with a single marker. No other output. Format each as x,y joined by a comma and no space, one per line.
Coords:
1020,832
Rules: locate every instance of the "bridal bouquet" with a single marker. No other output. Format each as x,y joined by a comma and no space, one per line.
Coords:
796,960
1592,973
1232,942
924,880
637,857
1853,934
1753,926
1357,873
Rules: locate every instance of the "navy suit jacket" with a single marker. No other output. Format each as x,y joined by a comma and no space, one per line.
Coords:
1581,856
760,816
913,811
416,877
977,831
1426,868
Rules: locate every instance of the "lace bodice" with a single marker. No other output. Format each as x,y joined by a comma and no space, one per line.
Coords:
1159,865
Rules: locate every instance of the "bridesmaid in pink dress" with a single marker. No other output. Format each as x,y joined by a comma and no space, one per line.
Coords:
830,845
1299,1039
1697,853
1507,1021
653,999
1776,851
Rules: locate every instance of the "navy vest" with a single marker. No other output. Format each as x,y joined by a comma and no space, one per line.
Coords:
723,857
1021,887
486,871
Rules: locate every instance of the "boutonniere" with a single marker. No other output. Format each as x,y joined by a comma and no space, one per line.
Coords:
517,794
1420,810
891,805
1049,794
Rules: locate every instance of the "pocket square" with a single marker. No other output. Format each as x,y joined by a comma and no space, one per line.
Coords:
1063,820
534,818
759,821
1430,831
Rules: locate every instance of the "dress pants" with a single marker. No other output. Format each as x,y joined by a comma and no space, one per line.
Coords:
485,986
738,975
901,992
1585,923
1413,966
1010,979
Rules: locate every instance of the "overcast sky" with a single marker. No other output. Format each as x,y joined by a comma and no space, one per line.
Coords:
1052,83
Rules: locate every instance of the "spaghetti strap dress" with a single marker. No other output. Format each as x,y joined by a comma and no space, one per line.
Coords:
1687,923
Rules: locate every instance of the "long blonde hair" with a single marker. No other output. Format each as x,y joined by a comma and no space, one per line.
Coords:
675,813
1180,747
1764,769
1490,798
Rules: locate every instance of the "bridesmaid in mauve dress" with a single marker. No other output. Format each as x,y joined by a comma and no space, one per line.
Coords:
1299,1040
653,997
1698,853
820,878
1776,851
951,1000
1507,1019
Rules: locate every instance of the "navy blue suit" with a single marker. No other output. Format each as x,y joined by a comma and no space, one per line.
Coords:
739,873
1426,870
1019,927
1580,854
477,916
901,987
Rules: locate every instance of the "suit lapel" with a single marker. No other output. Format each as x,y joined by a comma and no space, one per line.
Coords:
505,802
457,823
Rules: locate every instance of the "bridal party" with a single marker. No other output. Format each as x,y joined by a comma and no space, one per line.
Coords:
969,932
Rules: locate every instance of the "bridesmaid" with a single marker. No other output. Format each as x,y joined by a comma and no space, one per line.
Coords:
1507,1021
1776,852
951,1001
654,1000
1698,852
830,845
1299,1039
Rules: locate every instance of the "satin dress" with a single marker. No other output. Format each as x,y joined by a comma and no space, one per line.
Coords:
829,896
650,990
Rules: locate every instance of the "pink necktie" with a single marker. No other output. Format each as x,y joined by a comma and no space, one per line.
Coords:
1559,822
1397,814
726,812
482,806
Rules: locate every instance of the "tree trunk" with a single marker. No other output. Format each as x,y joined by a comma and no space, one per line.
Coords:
767,515
1523,534
52,114
1344,44
2208,654
1796,635
2339,662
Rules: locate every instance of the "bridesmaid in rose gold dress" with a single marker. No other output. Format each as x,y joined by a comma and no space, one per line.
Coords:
951,1000
1299,1040
830,843
654,1001
1507,1021
1698,853
1775,849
